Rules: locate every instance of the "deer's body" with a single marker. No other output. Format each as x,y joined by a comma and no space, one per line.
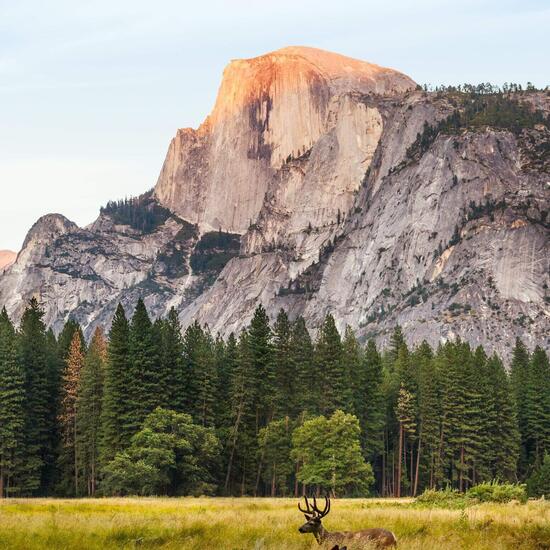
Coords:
382,538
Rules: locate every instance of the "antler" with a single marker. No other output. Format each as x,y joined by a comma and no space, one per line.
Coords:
308,511
325,511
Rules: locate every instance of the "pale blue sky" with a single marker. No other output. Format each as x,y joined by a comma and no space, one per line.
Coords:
91,92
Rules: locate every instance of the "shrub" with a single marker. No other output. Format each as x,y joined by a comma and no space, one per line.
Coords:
446,498
495,491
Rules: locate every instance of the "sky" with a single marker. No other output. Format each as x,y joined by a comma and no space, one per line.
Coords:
92,92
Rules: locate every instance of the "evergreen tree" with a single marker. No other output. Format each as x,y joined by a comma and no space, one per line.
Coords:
519,378
12,407
537,410
145,391
242,442
66,337
372,407
505,438
206,380
284,370
333,380
90,395
172,361
34,361
306,396
261,352
352,359
70,456
114,409
429,414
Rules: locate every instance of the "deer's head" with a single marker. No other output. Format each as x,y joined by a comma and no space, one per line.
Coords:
313,516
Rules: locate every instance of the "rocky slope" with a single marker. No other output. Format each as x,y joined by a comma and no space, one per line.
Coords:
321,183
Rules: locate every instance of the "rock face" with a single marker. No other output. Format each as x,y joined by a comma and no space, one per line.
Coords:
269,109
7,257
307,188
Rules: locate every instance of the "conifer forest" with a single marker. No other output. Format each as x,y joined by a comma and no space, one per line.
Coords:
277,410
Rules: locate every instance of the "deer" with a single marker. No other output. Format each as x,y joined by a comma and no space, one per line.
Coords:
381,538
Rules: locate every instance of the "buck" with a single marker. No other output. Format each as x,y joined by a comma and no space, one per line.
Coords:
380,538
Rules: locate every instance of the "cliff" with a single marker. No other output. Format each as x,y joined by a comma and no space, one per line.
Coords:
321,183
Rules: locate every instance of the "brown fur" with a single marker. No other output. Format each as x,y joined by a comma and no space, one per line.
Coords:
381,538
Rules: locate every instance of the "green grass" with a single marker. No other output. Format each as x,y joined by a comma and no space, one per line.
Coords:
234,524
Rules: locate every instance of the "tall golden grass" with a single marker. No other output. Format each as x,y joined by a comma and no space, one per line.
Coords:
259,524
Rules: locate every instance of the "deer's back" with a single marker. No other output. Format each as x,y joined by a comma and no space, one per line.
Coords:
381,537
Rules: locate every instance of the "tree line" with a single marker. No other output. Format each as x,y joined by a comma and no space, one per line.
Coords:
152,409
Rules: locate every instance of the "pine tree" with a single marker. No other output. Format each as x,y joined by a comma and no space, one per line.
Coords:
352,359
90,395
505,438
172,361
261,350
66,337
226,362
306,398
372,413
70,456
34,361
12,403
519,377
55,366
242,440
206,380
145,390
333,380
283,367
114,409
537,413
429,414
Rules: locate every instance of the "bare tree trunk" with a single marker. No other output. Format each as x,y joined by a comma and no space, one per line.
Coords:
75,457
411,468
417,462
232,454
461,475
384,491
399,461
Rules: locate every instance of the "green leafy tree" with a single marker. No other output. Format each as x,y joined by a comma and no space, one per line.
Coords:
329,452
169,455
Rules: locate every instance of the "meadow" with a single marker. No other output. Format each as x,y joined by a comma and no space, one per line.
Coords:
247,523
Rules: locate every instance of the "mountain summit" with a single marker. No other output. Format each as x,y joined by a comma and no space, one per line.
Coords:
269,108
320,184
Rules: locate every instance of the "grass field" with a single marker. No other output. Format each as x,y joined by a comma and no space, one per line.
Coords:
234,524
